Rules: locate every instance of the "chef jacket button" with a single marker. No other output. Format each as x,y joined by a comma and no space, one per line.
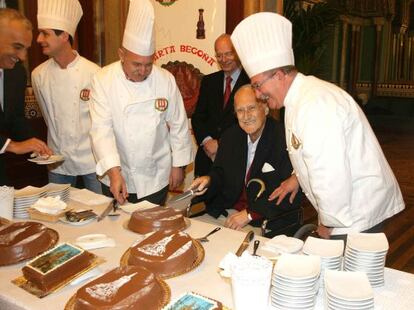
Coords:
306,194
297,174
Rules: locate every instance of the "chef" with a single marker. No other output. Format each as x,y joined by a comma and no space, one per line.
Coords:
62,87
334,152
140,133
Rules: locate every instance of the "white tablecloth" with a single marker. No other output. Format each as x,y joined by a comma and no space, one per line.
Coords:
396,294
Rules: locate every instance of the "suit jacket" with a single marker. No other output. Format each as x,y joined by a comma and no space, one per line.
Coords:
229,169
13,124
209,118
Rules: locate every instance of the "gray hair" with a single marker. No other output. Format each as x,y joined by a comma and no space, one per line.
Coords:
7,15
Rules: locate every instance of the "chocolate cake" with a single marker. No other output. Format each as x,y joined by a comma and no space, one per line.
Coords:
164,253
56,266
128,287
24,240
157,218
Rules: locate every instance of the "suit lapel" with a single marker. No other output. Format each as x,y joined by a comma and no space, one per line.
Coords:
262,151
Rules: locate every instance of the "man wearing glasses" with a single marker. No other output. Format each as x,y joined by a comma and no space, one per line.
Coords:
336,157
214,111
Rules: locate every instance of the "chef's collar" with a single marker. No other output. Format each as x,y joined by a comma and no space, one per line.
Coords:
73,63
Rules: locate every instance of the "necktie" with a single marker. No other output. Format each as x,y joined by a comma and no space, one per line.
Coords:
227,91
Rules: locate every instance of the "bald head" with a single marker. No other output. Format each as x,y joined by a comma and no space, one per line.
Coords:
250,112
225,54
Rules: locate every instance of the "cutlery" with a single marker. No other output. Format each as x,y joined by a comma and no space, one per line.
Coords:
187,194
204,239
107,210
245,244
255,247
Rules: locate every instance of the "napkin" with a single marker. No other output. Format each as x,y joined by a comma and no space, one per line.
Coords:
267,168
95,241
283,244
88,197
132,207
49,205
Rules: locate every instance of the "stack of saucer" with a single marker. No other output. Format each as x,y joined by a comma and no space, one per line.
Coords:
24,198
61,190
348,290
295,282
367,252
330,252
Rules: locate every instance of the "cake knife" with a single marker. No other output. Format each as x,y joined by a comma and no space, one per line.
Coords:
107,210
245,244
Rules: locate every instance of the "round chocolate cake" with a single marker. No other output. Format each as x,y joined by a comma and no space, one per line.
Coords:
164,253
128,287
24,240
157,218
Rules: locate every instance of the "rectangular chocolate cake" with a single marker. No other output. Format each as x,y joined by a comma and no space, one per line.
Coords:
55,266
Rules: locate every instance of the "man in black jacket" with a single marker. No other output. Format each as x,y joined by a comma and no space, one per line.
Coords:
214,111
251,151
15,134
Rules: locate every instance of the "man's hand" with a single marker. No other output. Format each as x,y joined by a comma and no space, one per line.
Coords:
117,185
324,232
201,183
30,145
210,148
290,185
176,177
237,220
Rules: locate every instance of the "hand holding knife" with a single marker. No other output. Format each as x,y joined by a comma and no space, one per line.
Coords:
112,206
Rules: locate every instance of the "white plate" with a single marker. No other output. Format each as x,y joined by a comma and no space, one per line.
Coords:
348,285
51,160
367,242
95,241
29,192
324,248
81,223
298,266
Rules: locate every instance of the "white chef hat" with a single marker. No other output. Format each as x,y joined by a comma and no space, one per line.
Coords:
263,41
59,14
139,29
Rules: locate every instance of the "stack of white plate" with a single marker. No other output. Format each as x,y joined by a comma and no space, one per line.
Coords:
330,252
295,282
348,290
367,252
24,198
61,190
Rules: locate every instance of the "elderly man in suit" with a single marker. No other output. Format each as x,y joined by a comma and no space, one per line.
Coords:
15,134
214,111
255,149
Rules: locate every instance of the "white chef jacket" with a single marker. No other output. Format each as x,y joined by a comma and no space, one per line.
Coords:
133,128
337,158
63,96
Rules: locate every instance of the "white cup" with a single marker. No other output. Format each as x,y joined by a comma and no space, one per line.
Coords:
250,282
6,202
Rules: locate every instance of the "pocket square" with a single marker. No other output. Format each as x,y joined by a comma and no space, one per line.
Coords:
267,168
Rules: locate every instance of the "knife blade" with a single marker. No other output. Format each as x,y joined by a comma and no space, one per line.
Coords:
245,244
107,210
183,196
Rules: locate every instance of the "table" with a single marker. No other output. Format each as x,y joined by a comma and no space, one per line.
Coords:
396,294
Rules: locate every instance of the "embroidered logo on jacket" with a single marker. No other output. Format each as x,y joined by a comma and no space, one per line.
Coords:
295,142
84,94
161,104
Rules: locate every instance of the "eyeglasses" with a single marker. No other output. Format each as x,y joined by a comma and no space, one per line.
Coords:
226,54
258,85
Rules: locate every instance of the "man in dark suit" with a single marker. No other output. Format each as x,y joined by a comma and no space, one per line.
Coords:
251,151
214,111
15,134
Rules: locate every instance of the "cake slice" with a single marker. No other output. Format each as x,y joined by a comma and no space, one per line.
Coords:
129,287
56,266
